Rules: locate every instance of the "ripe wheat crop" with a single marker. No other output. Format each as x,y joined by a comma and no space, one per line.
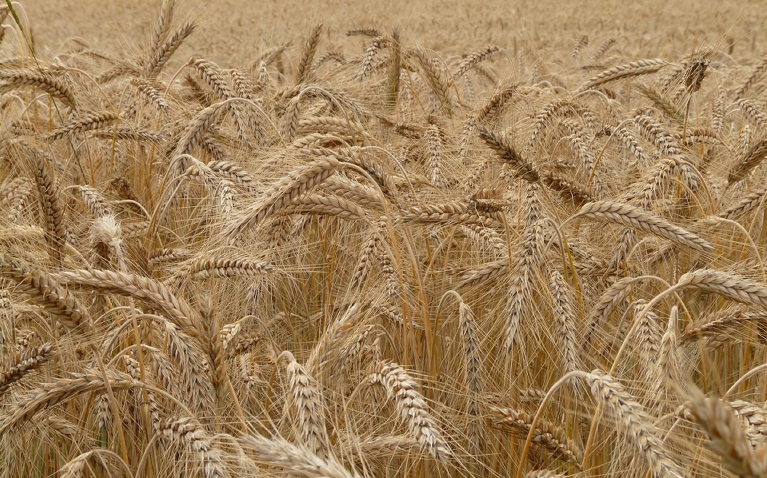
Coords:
357,256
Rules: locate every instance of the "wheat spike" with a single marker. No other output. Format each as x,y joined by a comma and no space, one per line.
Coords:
412,408
636,423
630,216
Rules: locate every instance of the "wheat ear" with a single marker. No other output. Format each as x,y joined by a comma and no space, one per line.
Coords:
189,432
636,422
732,286
297,460
582,42
49,193
475,58
124,283
86,122
45,291
49,394
307,54
627,70
412,408
566,320
21,364
159,57
298,183
307,401
667,366
633,217
726,436
473,370
755,155
39,79
163,26
546,434
506,151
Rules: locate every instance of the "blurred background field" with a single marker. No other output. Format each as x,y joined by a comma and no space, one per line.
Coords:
233,32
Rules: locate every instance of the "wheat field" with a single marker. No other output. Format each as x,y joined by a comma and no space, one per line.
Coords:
397,239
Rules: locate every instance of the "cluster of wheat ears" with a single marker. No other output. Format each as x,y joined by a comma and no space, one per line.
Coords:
394,264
